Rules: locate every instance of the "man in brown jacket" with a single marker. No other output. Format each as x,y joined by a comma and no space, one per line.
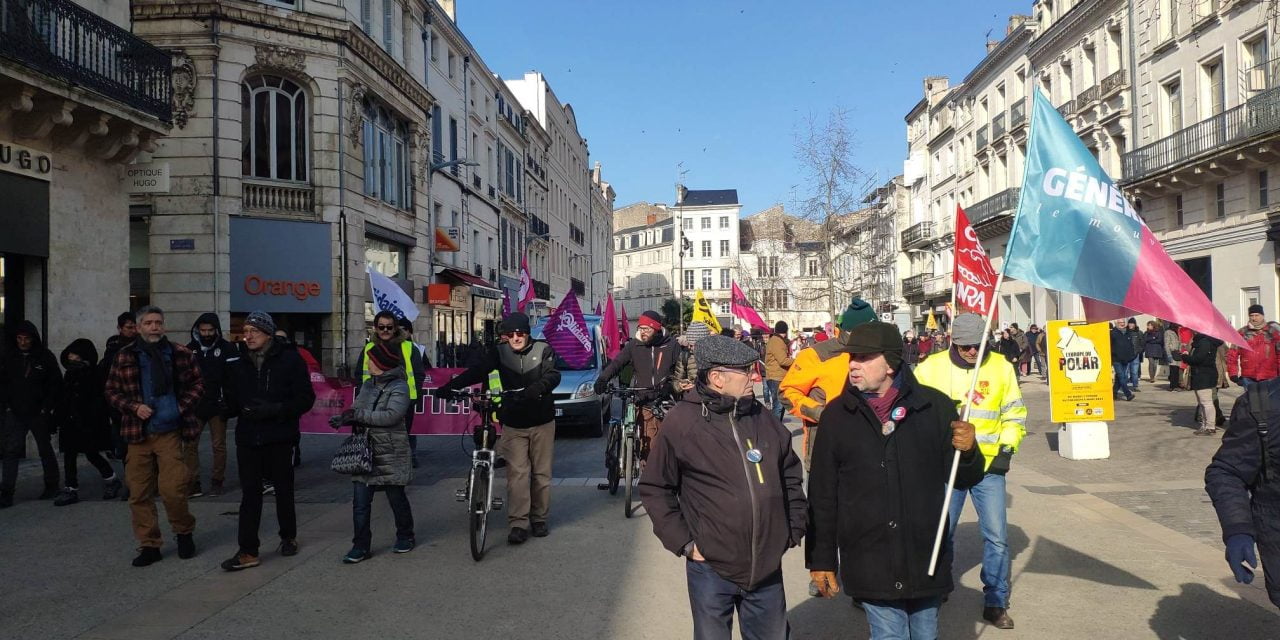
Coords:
777,359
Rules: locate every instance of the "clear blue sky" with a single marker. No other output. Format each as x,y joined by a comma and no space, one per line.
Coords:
723,86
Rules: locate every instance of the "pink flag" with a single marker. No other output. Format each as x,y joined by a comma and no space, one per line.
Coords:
743,309
567,332
975,280
609,329
597,308
526,285
626,326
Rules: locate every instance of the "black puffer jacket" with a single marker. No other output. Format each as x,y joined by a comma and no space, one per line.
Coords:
533,370
213,357
1203,359
270,399
29,380
698,485
1246,502
875,499
81,412
653,362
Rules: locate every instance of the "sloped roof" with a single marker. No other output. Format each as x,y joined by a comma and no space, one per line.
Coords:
710,197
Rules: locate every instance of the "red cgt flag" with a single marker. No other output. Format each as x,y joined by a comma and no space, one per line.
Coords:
975,280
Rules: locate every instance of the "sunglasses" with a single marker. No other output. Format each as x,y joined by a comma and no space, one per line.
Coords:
967,347
516,334
386,327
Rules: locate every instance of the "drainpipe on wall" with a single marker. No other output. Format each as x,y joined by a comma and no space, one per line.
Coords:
345,307
217,168
1133,86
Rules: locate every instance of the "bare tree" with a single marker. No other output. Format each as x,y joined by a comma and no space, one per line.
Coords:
836,186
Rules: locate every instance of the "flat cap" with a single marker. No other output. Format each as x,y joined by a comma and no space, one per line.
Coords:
967,329
723,351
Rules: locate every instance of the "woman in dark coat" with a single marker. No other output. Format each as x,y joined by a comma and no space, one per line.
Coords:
1009,349
1202,361
1153,349
80,419
380,407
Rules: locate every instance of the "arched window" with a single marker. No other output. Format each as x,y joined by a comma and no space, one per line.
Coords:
386,157
274,140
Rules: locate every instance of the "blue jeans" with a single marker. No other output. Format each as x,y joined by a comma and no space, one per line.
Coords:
1135,373
762,612
989,501
1245,383
362,509
1121,383
772,397
903,619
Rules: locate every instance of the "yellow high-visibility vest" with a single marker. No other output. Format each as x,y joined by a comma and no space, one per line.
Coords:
999,415
407,348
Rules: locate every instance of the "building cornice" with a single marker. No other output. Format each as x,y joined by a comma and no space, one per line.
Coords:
1067,29
1012,45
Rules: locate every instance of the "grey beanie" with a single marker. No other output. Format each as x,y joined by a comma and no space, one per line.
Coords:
723,351
262,320
696,331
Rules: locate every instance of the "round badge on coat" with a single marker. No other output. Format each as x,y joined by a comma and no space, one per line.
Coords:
898,413
754,455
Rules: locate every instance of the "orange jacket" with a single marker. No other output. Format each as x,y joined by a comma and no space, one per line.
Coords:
817,376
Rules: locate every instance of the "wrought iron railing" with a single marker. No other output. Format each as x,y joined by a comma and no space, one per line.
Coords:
917,234
981,140
937,286
1260,114
541,290
1067,108
913,287
1114,82
579,287
1003,202
997,126
1088,95
1017,114
68,42
267,195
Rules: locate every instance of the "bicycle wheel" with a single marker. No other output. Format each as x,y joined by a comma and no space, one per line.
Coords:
478,510
629,470
613,459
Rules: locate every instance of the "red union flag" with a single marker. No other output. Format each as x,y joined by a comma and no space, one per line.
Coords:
975,280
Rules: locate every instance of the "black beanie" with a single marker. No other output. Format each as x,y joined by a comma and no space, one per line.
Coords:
1256,308
516,322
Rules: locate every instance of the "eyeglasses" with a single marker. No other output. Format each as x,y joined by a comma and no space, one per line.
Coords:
967,347
516,334
745,372
645,329
386,327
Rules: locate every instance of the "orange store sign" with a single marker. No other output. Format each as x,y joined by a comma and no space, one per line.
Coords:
255,285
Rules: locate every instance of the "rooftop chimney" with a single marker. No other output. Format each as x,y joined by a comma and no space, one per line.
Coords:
450,9
650,219
680,191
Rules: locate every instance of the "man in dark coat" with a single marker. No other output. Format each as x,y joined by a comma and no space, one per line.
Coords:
653,356
1244,482
269,389
80,417
723,488
29,381
1122,354
528,422
877,484
214,355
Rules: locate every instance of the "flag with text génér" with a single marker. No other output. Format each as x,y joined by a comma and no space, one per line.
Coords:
975,279
1075,231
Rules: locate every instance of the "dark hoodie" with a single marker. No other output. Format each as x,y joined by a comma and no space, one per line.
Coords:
81,413
698,485
654,362
213,357
29,380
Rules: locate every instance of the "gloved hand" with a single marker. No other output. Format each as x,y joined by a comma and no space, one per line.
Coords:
1237,380
601,386
1240,550
1000,463
812,412
335,421
826,581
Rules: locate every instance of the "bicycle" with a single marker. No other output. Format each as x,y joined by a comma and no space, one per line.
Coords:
478,494
622,449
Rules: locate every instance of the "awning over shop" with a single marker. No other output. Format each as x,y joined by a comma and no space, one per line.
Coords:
480,287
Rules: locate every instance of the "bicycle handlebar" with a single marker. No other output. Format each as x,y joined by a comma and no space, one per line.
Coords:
484,394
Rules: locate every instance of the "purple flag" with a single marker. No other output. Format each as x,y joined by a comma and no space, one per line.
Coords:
506,303
567,332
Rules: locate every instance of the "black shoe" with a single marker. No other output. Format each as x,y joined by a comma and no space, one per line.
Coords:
147,556
112,488
289,547
518,535
66,496
539,530
49,493
186,546
998,617
501,463
196,491
6,500
241,561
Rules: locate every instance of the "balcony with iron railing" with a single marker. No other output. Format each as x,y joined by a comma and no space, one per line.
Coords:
1001,203
997,126
1017,114
1067,108
937,286
1089,95
1258,116
271,195
981,138
1114,82
913,287
917,235
73,44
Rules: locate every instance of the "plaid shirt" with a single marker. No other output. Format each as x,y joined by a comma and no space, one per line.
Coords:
124,392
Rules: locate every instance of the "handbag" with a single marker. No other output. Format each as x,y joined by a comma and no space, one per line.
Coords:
354,457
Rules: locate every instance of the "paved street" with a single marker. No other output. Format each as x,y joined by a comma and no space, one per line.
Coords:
1118,548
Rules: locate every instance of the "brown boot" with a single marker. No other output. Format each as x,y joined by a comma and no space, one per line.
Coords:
998,617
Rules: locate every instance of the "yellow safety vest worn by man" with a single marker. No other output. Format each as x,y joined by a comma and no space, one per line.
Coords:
999,418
